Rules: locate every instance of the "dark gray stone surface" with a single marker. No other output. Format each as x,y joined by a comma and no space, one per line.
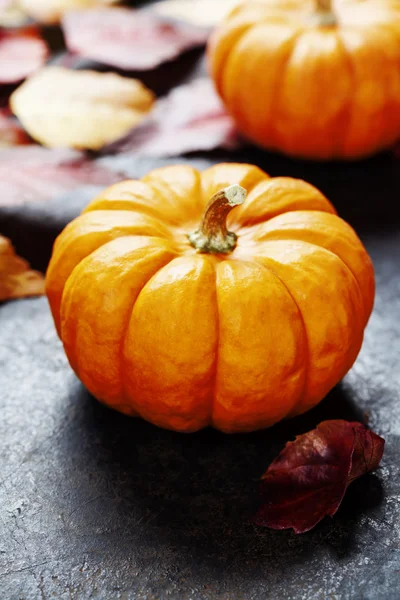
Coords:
96,505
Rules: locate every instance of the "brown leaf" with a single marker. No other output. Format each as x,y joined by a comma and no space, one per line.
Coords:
368,451
128,39
203,13
16,278
51,11
11,134
33,173
190,118
310,476
21,53
83,109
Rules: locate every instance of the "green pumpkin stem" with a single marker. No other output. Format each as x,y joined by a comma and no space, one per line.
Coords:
324,15
324,5
213,235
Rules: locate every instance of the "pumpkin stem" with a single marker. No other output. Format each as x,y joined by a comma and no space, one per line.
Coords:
324,5
324,15
213,235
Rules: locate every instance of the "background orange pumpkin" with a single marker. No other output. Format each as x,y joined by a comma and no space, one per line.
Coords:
316,79
166,314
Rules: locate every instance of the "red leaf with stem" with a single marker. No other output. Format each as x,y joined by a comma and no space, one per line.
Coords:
309,478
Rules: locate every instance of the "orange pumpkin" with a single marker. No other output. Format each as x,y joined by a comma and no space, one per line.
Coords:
315,79
191,312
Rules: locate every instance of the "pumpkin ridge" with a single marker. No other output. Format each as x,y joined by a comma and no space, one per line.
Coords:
361,323
347,110
121,196
391,134
171,194
56,304
158,190
318,202
82,228
216,360
99,249
155,406
277,143
314,243
396,37
306,365
126,329
278,88
222,65
340,149
163,231
148,210
227,94
333,254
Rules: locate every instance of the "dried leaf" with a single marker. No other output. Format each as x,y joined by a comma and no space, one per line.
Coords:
11,134
11,14
203,13
310,476
128,39
16,278
368,451
33,173
83,109
22,52
51,11
189,119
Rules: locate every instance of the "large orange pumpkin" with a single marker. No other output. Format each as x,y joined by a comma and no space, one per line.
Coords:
316,79
190,312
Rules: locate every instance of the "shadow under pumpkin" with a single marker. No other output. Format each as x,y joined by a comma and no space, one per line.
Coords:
199,492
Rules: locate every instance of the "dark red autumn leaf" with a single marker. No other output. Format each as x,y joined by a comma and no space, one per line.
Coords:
128,39
310,476
33,173
190,118
22,52
11,133
368,451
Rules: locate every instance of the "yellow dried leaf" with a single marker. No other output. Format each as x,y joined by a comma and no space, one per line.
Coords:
16,278
60,107
51,11
204,13
11,15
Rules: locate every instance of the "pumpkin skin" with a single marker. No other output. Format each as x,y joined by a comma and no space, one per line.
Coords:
186,339
312,82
